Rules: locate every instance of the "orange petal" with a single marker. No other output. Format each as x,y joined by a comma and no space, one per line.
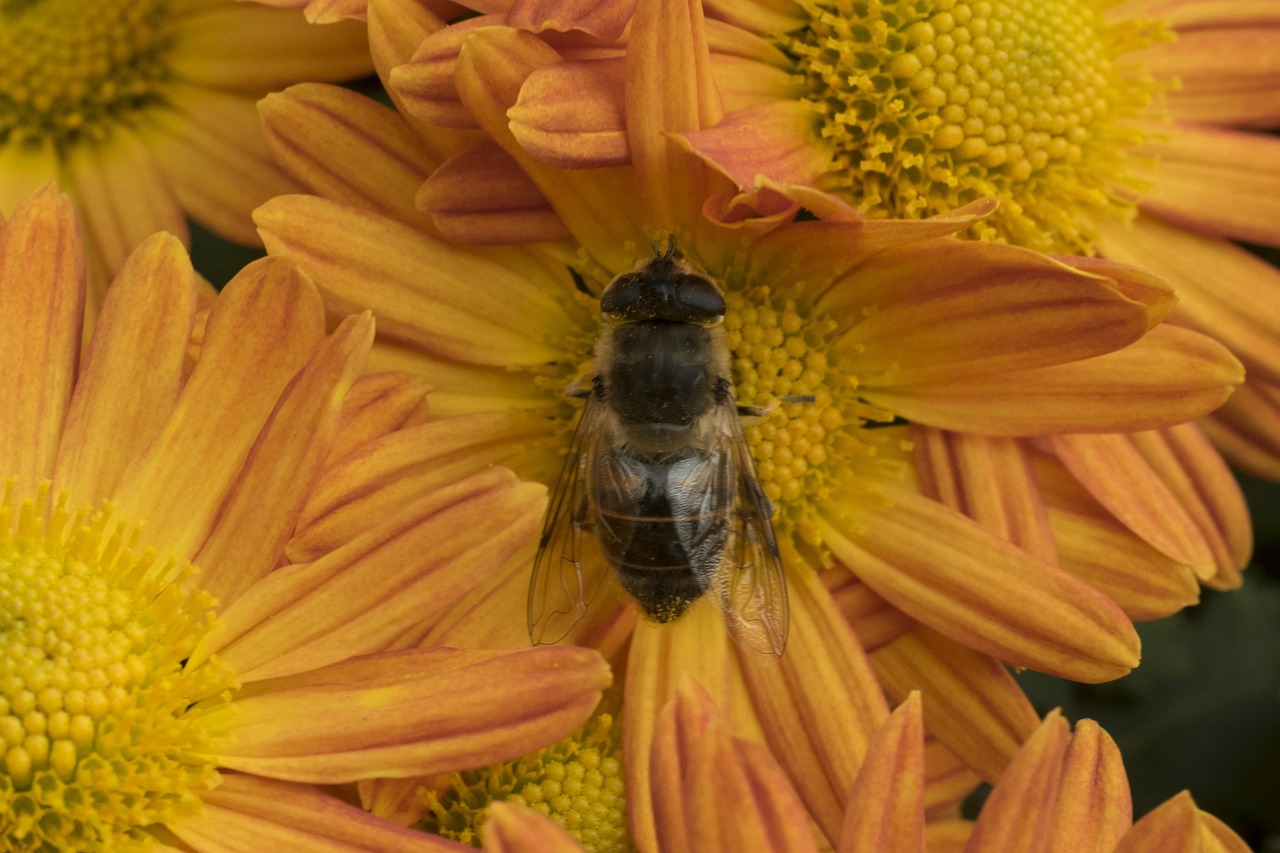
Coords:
1170,376
820,705
411,713
973,705
988,479
1228,76
774,139
511,828
1216,181
379,404
1203,15
459,303
425,87
405,571
603,19
246,543
1177,826
252,813
265,325
571,114
875,621
397,28
759,16
311,127
42,293
483,197
886,805
944,570
1247,429
679,727
133,371
948,782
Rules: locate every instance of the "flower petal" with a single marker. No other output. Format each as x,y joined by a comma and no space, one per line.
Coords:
1177,825
425,86
571,114
773,139
512,828
415,712
264,326
404,572
246,543
312,130
603,19
886,805
944,570
133,371
973,704
251,813
1228,76
1170,376
1247,429
42,295
875,621
379,404
820,705
459,303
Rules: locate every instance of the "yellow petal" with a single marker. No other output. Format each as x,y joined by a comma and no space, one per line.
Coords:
886,805
42,293
406,571
265,325
512,828
944,570
246,543
252,813
972,705
412,713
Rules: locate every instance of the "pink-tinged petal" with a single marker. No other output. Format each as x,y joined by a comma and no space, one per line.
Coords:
1223,290
944,570
570,114
669,90
1177,826
407,571
988,479
1170,376
734,796
42,295
124,195
1117,474
875,621
973,705
426,88
602,19
886,805
483,197
346,147
250,48
1228,76
405,466
333,11
411,713
773,140
1063,792
247,542
263,328
511,828
820,705
133,371
454,302
216,133
252,813
378,404
949,309
1217,182
1247,429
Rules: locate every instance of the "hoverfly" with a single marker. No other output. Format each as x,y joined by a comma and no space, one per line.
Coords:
659,489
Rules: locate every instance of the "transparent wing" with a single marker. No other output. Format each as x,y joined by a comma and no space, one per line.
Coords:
750,587
569,568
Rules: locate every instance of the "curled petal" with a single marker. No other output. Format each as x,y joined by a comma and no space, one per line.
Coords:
603,19
773,139
411,713
571,114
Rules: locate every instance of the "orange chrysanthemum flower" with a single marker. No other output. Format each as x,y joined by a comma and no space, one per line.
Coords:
144,111
136,711
874,320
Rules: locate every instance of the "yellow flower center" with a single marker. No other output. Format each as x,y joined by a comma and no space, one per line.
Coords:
97,730
577,782
930,104
72,71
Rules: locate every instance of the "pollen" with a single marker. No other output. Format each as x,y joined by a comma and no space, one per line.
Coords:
97,730
928,105
577,782
71,72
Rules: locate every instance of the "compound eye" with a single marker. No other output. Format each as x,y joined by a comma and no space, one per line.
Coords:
698,300
625,299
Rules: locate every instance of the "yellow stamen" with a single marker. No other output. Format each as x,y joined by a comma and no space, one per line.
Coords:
930,104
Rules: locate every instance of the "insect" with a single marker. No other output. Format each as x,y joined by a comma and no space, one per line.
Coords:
659,489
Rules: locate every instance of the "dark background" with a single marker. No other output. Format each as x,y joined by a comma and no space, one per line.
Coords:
1202,712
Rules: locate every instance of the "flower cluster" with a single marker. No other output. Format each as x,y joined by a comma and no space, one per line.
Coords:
269,557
